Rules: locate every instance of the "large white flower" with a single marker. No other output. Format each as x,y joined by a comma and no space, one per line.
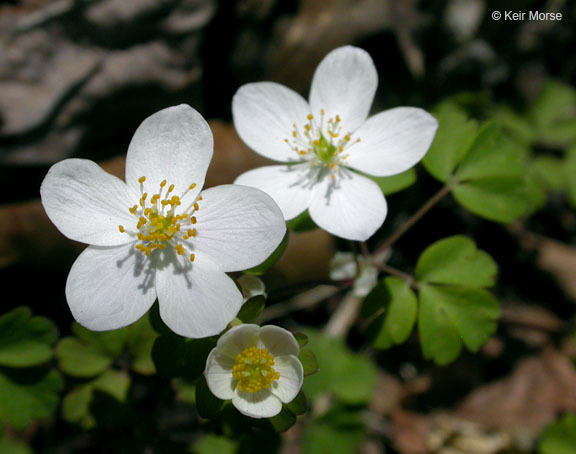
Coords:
156,235
257,368
325,142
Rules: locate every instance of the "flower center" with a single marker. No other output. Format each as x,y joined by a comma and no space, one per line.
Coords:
159,223
253,370
322,143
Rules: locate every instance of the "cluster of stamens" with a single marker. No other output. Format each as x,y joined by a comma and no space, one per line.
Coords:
321,144
253,370
158,223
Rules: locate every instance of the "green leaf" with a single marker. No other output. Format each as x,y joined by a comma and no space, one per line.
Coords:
302,223
395,183
456,260
455,134
25,340
81,360
555,105
282,421
301,338
559,437
208,404
175,356
140,342
299,405
399,308
110,343
450,316
14,447
113,382
335,364
270,261
518,126
339,432
308,360
215,444
549,170
76,406
28,394
500,199
252,308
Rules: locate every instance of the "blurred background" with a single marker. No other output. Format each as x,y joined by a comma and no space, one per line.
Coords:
78,76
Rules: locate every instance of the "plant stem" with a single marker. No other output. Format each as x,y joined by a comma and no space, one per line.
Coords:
415,218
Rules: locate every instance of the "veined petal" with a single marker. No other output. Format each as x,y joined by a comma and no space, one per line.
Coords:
344,84
218,375
238,339
351,206
288,185
86,203
238,226
264,116
110,287
291,377
392,141
174,144
278,341
260,404
196,299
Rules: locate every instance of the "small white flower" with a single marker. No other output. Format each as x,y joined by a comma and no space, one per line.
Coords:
323,143
344,265
157,236
257,368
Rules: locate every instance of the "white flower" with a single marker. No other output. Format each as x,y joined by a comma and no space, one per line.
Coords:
257,368
344,265
325,142
157,236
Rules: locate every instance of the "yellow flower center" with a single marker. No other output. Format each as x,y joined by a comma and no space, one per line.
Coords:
253,370
321,144
159,223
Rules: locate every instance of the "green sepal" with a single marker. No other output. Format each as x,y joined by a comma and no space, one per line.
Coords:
207,404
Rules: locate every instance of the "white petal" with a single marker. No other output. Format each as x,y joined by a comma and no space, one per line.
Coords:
287,185
175,144
110,287
392,141
278,341
238,227
351,206
196,299
218,375
264,115
238,339
291,378
344,84
86,203
261,404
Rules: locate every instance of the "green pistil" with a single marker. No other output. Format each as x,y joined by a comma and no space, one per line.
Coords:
324,149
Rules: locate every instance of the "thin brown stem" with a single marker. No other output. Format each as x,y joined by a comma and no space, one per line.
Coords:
395,272
415,218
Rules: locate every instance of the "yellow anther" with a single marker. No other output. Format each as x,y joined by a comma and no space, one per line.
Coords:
253,369
170,188
192,257
121,228
192,186
179,249
196,207
133,209
163,183
141,180
310,117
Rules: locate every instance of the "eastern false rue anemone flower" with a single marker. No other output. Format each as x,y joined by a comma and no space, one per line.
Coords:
255,367
325,145
156,235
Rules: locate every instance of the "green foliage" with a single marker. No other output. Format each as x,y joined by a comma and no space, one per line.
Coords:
349,376
393,307
339,432
309,362
251,309
29,387
207,404
455,308
14,447
560,436
302,223
486,170
214,444
25,340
